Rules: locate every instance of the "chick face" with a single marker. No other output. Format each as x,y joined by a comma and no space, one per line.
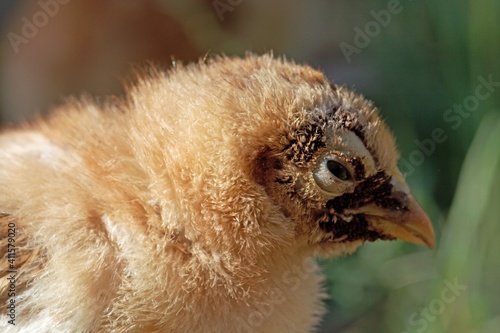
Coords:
335,175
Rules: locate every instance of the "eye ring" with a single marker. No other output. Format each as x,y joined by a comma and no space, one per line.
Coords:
332,173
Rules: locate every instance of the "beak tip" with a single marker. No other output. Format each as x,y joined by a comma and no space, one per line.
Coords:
430,242
420,226
412,226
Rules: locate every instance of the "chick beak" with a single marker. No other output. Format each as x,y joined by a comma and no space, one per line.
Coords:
410,224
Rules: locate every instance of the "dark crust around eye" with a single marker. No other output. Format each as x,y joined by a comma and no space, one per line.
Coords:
375,189
359,167
304,144
357,229
348,121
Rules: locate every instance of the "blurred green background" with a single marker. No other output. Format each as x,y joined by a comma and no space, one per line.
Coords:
426,64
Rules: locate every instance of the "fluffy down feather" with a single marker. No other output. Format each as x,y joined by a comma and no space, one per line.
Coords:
193,205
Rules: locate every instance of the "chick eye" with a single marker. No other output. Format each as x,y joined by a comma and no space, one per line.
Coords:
331,174
338,170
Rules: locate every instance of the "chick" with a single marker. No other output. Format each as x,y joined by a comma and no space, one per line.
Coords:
195,203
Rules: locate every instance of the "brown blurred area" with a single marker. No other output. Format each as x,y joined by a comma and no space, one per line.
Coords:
90,46
85,46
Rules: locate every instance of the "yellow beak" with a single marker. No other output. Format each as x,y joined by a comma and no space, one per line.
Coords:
411,225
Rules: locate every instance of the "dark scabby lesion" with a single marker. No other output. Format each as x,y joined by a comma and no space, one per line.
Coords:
304,143
359,167
376,189
356,229
349,121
